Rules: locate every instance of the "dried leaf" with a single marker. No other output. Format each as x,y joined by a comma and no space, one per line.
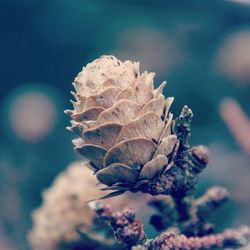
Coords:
155,105
167,130
122,112
132,152
159,90
168,104
116,172
104,99
167,145
144,87
148,126
104,135
78,142
90,124
89,114
111,195
78,106
127,94
95,154
153,167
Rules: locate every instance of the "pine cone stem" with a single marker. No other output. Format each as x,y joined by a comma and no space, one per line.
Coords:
177,182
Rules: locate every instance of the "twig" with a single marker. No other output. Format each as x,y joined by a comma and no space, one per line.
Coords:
227,239
128,230
130,233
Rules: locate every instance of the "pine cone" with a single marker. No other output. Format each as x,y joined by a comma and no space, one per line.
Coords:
65,211
124,124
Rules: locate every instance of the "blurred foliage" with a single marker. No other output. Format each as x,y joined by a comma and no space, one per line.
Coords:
48,42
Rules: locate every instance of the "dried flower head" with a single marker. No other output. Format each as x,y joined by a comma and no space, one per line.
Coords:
123,122
65,219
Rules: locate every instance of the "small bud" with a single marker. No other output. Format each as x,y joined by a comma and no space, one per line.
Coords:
202,154
199,158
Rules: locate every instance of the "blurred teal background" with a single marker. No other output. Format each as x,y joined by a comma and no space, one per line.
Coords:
202,48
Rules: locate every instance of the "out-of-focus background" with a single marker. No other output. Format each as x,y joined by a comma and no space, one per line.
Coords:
202,48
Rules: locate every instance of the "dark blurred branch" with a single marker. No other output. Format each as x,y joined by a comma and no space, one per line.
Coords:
130,233
166,215
189,214
201,209
128,230
211,200
227,239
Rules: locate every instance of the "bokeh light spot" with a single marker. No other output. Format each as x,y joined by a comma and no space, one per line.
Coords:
31,111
